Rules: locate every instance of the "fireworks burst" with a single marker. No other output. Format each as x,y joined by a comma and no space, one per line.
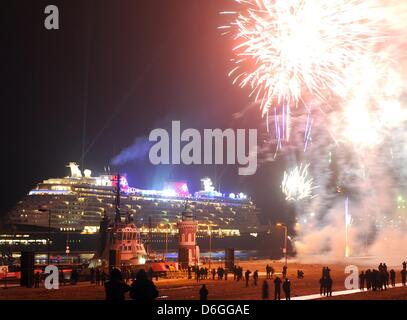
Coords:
298,185
347,59
292,47
371,107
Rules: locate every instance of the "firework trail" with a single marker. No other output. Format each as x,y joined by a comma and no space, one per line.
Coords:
348,222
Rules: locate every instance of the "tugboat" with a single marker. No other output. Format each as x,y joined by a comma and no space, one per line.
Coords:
120,237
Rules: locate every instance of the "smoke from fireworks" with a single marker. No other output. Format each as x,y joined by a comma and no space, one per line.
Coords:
342,65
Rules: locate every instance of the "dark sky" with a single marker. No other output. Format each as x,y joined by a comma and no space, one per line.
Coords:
122,68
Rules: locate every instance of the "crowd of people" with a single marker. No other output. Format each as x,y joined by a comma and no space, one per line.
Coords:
116,283
204,273
285,284
99,276
376,279
141,289
326,282
381,278
73,280
249,278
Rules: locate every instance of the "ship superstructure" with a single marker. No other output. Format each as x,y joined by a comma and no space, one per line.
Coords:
78,203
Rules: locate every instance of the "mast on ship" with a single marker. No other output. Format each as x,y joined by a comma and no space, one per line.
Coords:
105,223
121,238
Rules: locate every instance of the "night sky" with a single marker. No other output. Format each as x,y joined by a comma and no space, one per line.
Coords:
116,70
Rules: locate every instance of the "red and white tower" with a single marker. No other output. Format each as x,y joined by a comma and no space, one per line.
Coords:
188,252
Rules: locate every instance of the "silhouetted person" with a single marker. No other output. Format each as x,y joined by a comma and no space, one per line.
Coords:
271,271
37,279
383,279
287,289
61,277
368,279
277,289
115,288
362,281
189,272
329,286
126,275
265,290
203,293
220,272
255,277
322,286
198,274
247,277
284,271
142,288
213,273
404,265
403,277
74,277
103,277
240,274
376,279
150,273
97,277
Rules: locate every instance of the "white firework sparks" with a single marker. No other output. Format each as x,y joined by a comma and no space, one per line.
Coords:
297,184
288,49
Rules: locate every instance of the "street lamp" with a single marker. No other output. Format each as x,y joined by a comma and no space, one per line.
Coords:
281,225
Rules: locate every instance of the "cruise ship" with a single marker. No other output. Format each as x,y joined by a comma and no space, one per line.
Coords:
69,211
